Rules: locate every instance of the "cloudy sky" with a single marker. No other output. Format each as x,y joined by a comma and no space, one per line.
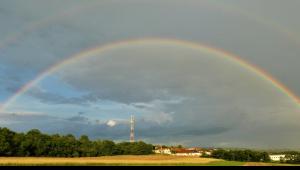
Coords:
178,94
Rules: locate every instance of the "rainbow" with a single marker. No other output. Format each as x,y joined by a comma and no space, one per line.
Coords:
111,46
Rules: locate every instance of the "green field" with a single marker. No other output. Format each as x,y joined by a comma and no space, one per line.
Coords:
150,160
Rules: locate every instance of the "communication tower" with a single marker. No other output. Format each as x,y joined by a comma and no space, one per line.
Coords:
132,129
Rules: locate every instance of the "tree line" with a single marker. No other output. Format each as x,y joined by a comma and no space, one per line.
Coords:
291,157
35,143
240,155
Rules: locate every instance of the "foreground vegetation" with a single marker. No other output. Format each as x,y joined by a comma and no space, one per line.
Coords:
291,157
36,144
35,148
240,155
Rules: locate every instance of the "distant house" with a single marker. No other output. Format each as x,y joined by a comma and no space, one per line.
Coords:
186,152
208,152
277,157
162,150
166,151
195,151
157,151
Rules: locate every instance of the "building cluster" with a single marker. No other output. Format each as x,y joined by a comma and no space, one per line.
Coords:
278,157
196,151
180,151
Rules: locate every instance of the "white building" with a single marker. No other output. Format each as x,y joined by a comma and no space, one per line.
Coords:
166,151
186,152
207,152
189,154
157,151
277,157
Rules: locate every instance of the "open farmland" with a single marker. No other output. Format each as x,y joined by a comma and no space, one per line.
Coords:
155,160
114,160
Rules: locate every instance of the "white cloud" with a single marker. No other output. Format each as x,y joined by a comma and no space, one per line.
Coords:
111,123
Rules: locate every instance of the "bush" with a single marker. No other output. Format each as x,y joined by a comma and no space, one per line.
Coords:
241,155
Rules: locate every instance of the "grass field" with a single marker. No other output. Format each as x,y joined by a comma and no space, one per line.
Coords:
151,160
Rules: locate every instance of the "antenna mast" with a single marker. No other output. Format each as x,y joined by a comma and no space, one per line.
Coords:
132,129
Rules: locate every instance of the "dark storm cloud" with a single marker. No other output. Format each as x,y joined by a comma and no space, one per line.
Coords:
52,98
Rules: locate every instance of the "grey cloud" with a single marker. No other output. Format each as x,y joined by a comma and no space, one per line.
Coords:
81,125
43,47
78,119
200,94
221,101
193,133
52,98
81,113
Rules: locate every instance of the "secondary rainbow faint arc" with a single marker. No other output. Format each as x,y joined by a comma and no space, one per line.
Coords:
194,45
14,37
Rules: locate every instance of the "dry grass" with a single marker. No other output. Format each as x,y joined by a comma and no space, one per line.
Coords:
127,160
267,164
257,164
150,159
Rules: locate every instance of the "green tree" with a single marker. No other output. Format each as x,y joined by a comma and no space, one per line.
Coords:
35,143
6,142
241,155
179,146
106,147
